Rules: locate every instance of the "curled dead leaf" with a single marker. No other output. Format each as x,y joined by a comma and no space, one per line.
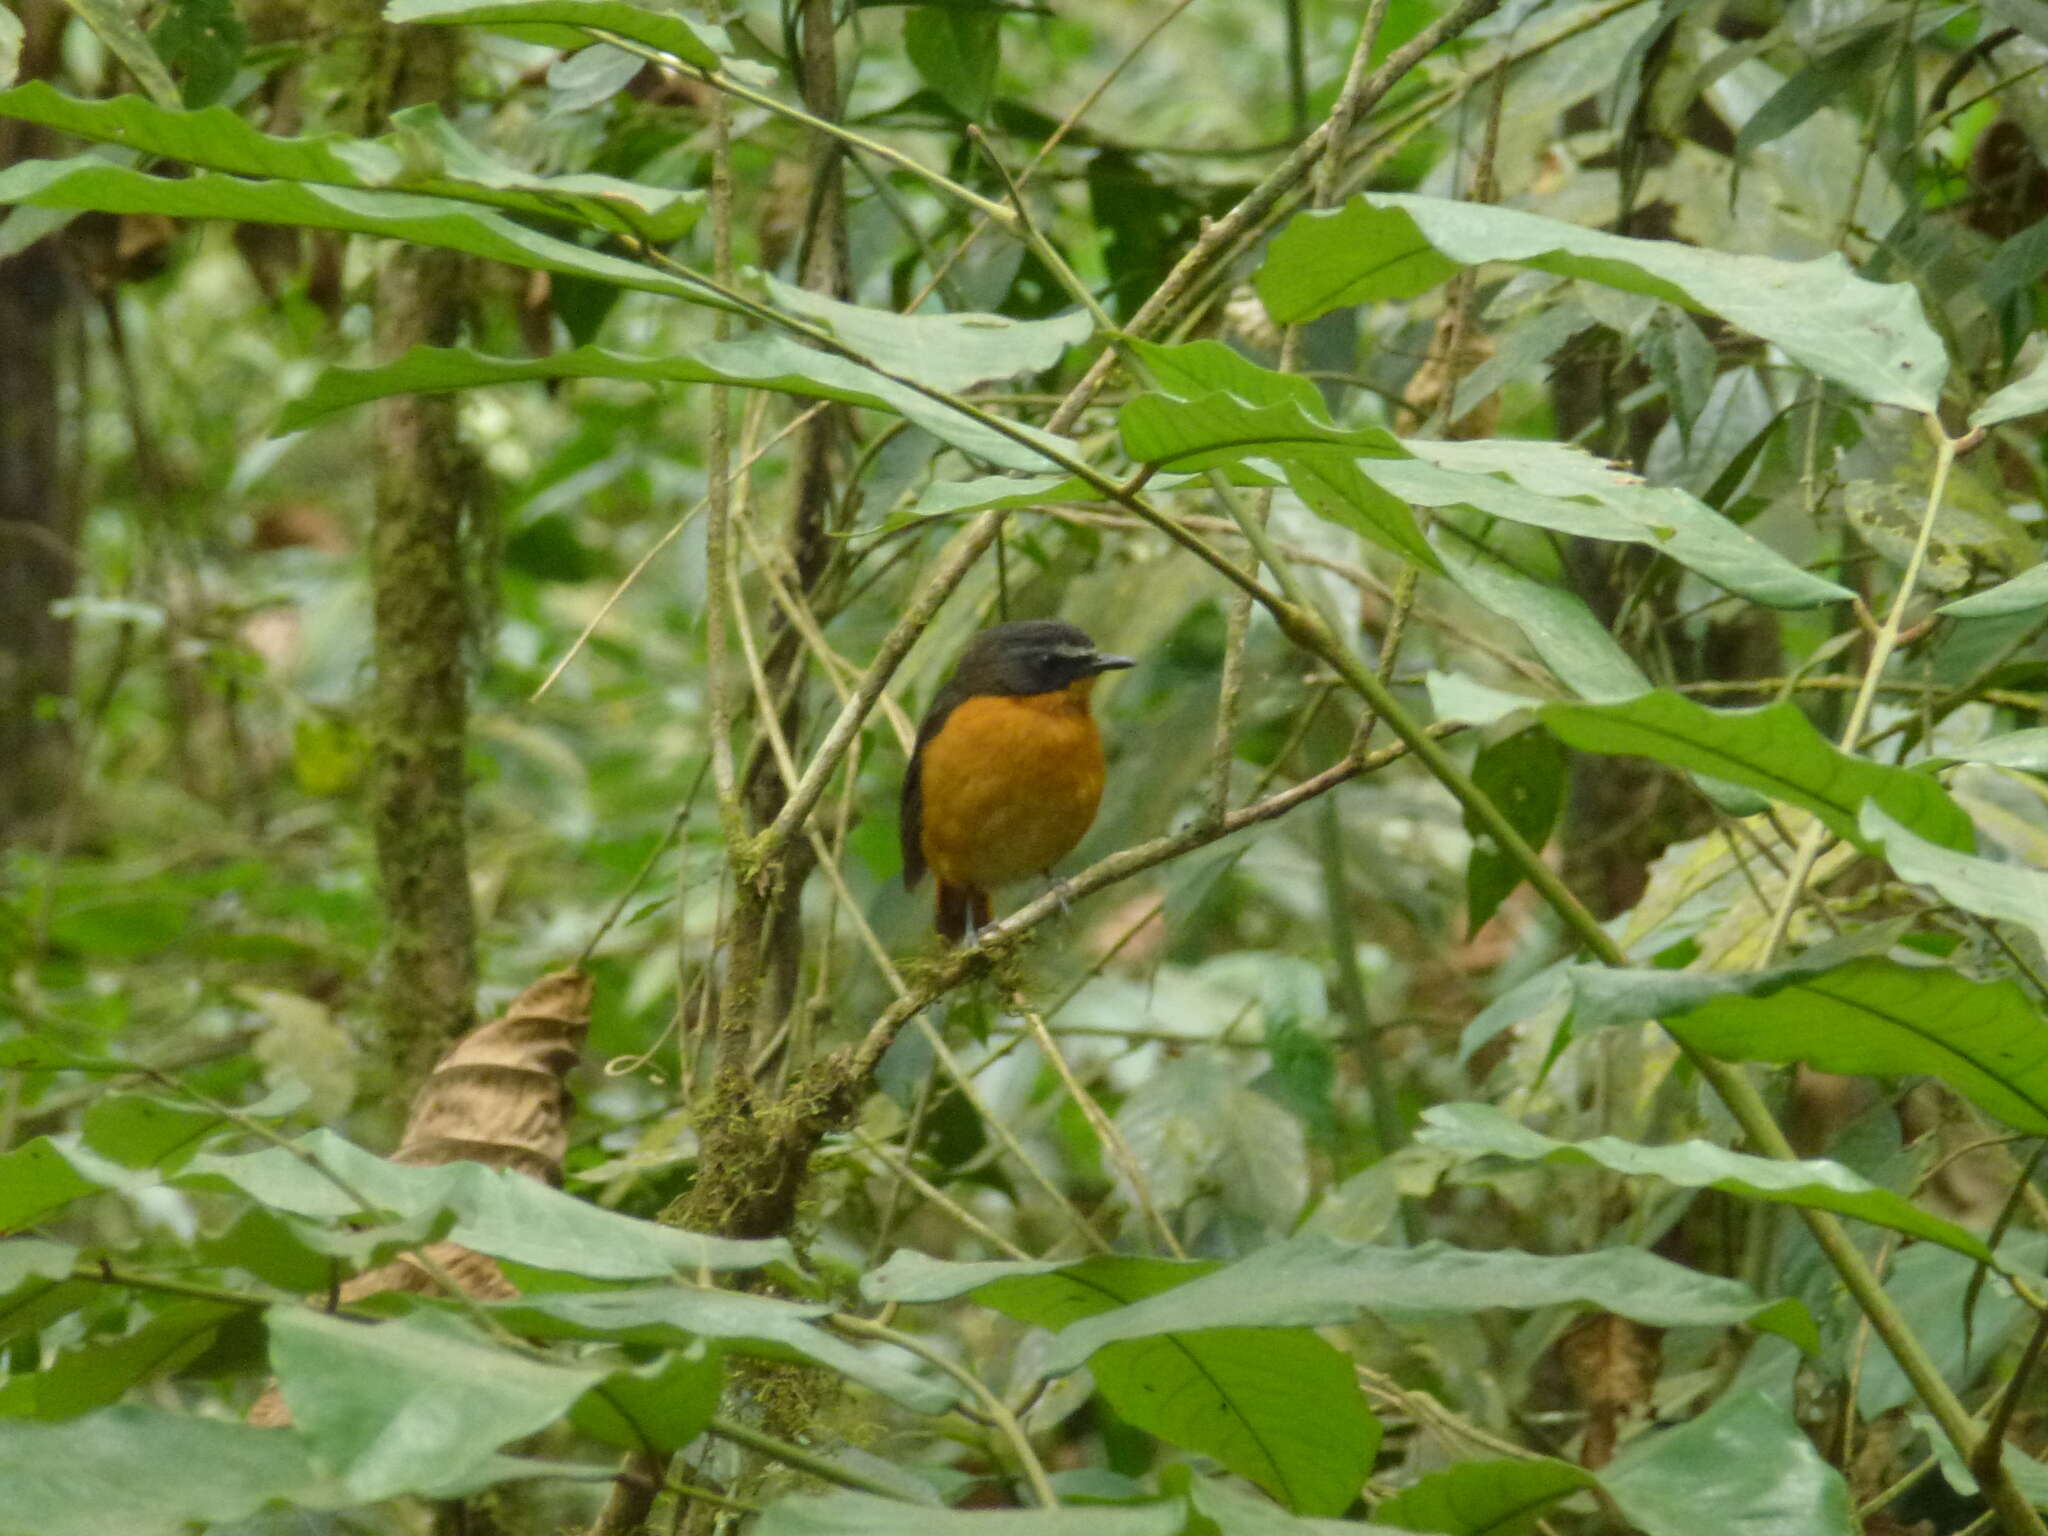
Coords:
498,1096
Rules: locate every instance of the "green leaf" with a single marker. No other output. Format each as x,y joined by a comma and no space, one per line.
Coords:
1832,75
412,1404
504,1214
1525,775
863,1514
2024,396
1216,429
1321,466
1558,626
294,1254
2025,593
758,362
571,23
1188,369
138,1131
1336,489
666,1403
1484,1498
1278,1406
1872,338
1869,1016
37,1178
1556,486
957,51
2026,750
424,155
1311,1281
680,1315
201,40
907,1275
952,352
2008,892
1480,1130
149,1472
1746,1459
89,182
1962,1319
1237,1512
97,1372
124,39
1775,751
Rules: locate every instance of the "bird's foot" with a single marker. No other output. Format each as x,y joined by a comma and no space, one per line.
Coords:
1062,892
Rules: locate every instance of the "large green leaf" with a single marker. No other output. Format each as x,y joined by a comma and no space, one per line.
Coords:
1558,625
758,362
1872,338
1485,1498
1878,1017
96,1372
570,23
1481,1130
1746,1459
1310,1281
757,1325
144,1472
1216,429
412,1404
424,155
2008,892
500,1213
945,351
1278,1406
87,181
863,1514
1216,407
1556,486
1775,751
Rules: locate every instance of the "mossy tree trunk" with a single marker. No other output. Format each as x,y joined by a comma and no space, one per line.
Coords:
38,513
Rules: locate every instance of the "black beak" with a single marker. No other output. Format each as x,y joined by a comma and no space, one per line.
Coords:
1103,663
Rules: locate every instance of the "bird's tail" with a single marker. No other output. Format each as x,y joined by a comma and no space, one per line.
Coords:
961,911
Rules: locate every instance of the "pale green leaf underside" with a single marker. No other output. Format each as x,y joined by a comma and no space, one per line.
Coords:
1477,1130
1869,1016
767,361
1774,751
1871,338
423,155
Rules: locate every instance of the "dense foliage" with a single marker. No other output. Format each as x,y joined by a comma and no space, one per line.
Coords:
1544,1032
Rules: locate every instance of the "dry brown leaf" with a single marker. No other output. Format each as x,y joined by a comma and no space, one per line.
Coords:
1612,1364
497,1097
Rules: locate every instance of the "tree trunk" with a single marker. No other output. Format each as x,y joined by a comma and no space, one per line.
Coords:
38,515
428,494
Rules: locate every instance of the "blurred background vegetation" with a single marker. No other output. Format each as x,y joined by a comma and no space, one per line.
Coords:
191,879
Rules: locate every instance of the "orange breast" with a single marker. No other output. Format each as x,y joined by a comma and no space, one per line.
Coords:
1010,786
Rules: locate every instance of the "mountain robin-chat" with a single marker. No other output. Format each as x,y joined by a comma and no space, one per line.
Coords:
1007,770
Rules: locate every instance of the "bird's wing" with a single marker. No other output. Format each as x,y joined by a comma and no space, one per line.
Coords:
910,824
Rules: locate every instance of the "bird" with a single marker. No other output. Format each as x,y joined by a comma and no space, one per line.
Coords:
1007,771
